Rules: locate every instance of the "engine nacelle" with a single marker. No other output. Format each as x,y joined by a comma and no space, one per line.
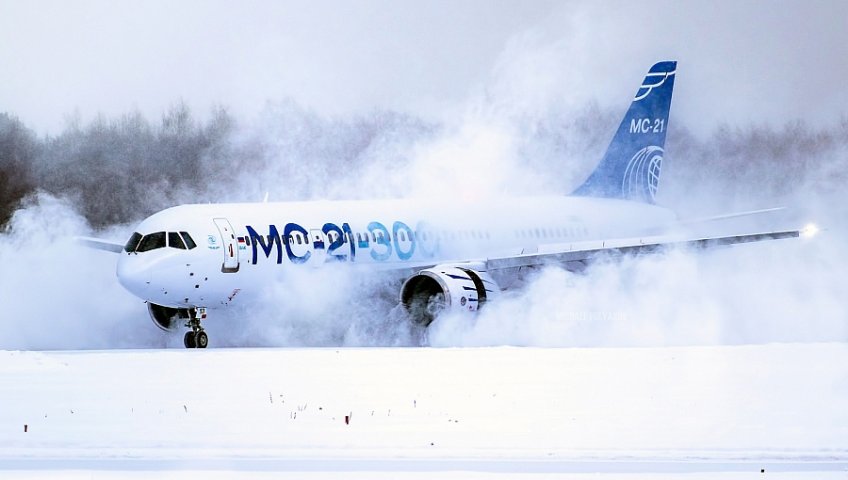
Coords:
440,289
167,318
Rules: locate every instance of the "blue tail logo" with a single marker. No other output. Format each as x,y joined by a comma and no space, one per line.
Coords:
631,166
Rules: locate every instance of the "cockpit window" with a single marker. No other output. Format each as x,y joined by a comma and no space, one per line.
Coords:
174,241
188,240
152,242
132,243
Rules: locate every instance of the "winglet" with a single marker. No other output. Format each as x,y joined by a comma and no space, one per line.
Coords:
631,166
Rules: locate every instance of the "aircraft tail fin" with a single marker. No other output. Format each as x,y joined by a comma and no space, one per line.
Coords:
630,169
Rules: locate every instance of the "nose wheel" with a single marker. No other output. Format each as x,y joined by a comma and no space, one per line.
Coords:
196,337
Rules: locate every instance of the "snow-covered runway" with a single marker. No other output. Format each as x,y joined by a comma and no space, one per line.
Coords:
416,411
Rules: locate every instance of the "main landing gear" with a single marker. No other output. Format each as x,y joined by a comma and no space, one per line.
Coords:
196,338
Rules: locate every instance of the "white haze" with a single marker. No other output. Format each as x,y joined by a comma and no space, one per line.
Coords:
778,60
514,131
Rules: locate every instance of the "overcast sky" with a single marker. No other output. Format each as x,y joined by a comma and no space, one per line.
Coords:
739,62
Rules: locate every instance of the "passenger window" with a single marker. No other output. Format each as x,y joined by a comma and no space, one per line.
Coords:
174,241
152,242
132,243
188,240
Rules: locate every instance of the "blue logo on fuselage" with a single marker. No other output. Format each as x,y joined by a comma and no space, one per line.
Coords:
401,242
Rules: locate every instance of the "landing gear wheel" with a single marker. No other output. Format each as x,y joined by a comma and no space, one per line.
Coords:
201,340
196,337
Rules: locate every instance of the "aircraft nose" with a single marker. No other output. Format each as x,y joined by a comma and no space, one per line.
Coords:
134,275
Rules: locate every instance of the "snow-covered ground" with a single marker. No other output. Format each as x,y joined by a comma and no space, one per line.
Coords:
460,413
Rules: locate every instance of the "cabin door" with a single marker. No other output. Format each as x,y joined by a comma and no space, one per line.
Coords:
231,251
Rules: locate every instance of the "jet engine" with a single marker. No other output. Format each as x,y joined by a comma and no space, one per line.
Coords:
167,318
444,288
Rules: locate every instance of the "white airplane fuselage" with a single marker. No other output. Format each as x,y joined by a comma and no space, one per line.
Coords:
241,247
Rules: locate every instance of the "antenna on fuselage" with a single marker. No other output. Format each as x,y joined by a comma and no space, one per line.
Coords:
265,200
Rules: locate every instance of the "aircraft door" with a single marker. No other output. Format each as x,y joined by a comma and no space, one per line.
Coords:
231,251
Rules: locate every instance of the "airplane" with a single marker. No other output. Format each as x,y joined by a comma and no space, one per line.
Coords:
449,255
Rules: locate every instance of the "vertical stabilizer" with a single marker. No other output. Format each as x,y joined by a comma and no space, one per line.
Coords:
631,167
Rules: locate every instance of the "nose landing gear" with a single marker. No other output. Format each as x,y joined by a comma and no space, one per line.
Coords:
196,338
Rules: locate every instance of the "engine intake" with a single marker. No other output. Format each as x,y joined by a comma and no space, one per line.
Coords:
433,291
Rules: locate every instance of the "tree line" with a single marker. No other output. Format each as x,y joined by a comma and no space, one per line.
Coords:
116,170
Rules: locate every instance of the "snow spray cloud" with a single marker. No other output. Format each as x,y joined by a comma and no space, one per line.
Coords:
56,295
766,293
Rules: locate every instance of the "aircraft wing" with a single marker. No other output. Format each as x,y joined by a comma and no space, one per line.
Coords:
100,244
634,246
